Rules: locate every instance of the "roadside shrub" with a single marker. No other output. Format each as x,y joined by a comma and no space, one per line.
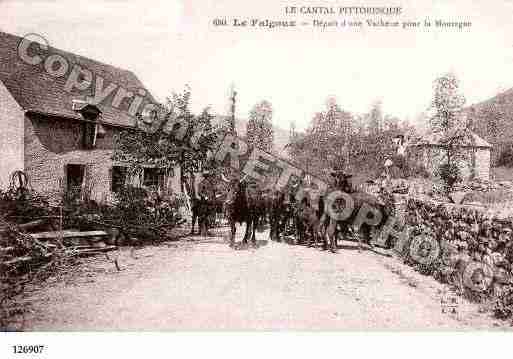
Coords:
503,304
132,202
20,207
142,213
145,213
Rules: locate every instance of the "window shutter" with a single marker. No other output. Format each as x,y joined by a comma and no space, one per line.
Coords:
95,134
136,180
111,178
64,182
90,134
87,183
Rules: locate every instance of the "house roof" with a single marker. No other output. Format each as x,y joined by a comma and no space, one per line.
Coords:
433,139
37,91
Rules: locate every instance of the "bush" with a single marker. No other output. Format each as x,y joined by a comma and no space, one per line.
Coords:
506,157
132,202
407,167
450,174
145,214
416,169
137,212
20,207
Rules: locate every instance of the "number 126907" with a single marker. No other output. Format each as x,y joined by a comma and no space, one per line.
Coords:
28,349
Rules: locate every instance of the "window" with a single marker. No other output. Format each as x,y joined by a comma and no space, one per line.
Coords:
118,178
75,174
153,177
90,127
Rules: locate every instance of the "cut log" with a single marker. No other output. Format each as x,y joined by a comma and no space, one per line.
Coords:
99,245
18,260
67,234
25,259
6,249
80,247
27,226
92,251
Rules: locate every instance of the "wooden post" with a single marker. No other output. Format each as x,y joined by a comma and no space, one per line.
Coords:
232,122
61,240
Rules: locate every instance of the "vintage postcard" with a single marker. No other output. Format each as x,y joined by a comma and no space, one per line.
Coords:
255,166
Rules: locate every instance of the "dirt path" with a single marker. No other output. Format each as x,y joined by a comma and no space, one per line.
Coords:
205,285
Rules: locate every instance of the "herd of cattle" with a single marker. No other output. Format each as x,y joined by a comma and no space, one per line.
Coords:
246,204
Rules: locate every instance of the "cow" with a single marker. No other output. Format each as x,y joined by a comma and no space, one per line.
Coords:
276,214
282,214
243,206
263,207
308,219
343,183
218,209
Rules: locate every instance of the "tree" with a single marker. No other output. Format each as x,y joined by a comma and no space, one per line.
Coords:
337,138
259,128
372,141
327,140
447,104
391,123
375,117
448,122
162,142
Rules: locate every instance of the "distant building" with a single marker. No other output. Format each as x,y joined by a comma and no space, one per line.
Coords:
476,155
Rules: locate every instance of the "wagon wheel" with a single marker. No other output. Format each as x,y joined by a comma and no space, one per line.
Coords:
18,183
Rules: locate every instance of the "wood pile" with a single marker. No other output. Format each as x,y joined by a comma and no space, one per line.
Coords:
20,248
79,243
27,258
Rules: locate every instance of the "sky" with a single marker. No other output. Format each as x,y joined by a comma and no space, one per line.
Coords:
169,44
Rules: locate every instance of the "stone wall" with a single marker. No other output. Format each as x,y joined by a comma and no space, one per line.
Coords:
11,136
52,143
483,163
433,156
468,239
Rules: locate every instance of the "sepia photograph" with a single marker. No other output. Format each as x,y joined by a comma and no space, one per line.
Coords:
267,166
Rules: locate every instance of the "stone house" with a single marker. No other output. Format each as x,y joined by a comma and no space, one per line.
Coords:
53,128
474,161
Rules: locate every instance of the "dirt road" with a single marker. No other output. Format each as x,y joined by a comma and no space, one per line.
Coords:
205,285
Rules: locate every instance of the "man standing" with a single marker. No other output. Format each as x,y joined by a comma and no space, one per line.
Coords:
202,203
400,157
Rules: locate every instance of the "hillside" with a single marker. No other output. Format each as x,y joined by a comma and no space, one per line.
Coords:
493,120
